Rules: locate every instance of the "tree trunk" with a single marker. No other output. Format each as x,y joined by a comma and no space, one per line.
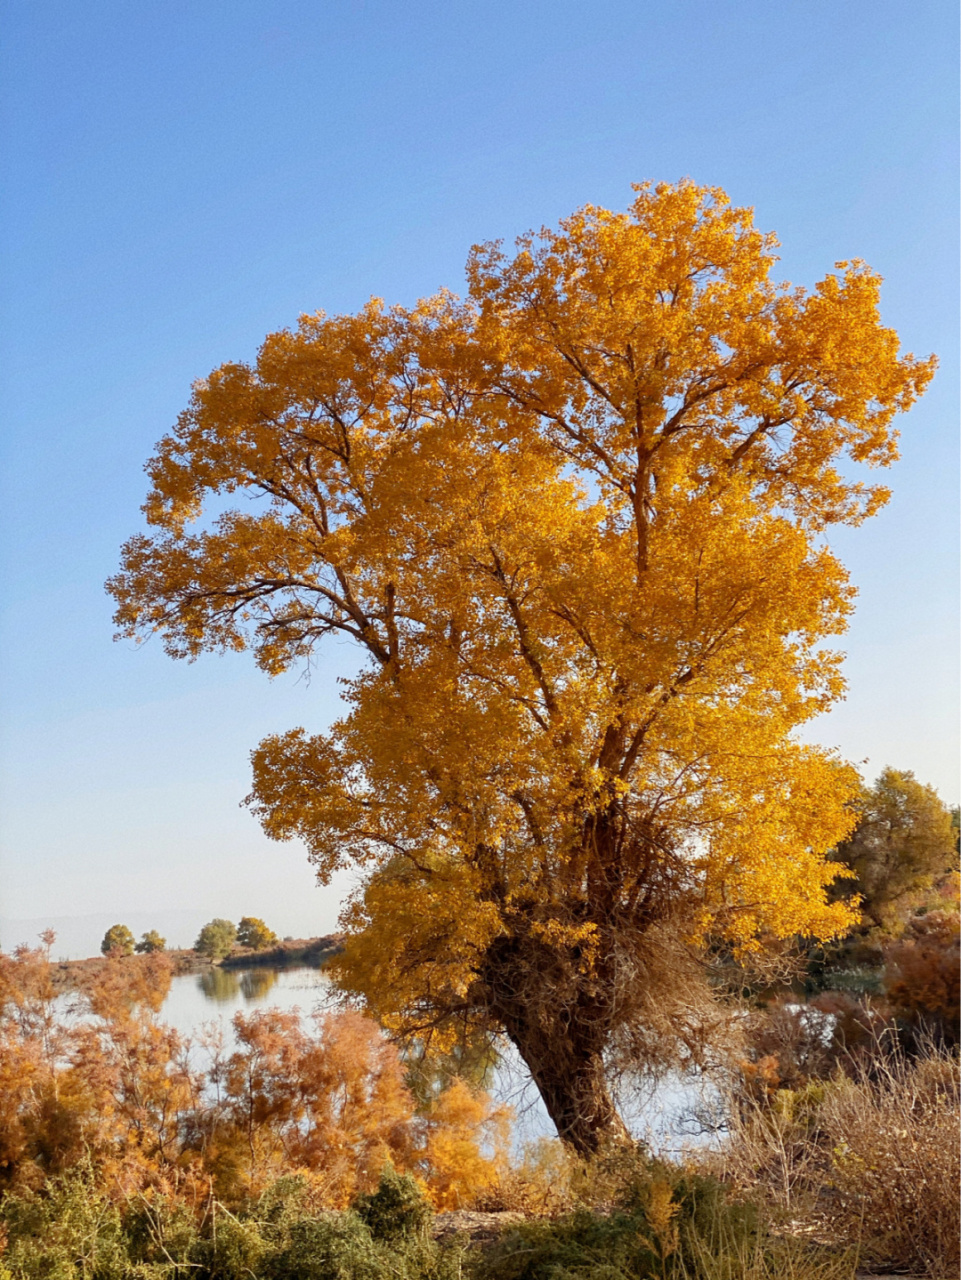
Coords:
568,1069
578,1101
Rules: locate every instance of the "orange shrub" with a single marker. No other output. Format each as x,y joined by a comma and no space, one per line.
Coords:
459,1125
922,974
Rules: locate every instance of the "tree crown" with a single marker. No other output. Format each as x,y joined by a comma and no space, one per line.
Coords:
575,522
216,939
252,932
118,938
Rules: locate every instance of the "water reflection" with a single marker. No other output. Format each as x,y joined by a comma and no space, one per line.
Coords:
255,983
225,986
219,985
209,1000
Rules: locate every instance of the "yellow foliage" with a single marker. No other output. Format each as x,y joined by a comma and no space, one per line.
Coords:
660,1210
575,522
459,1125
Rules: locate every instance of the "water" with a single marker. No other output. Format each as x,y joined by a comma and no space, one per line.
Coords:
211,998
663,1112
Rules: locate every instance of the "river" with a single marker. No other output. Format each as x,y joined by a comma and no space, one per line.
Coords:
663,1112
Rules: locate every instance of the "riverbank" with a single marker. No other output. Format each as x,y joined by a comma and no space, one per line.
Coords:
313,952
74,975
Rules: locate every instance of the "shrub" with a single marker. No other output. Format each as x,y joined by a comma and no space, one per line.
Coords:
159,1229
922,977
118,938
73,1231
397,1210
336,1246
233,1249
894,1162
459,1123
69,1229
670,1225
873,1156
216,939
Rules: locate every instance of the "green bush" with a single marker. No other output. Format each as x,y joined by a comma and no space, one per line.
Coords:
160,1230
337,1246
150,941
668,1226
70,1231
397,1210
231,1249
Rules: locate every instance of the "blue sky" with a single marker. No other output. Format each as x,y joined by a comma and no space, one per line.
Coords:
180,179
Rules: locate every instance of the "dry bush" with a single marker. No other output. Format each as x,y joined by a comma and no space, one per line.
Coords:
792,1044
549,1180
870,1159
923,977
895,1162
538,1187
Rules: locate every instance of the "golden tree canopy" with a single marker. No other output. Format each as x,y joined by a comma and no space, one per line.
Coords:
576,522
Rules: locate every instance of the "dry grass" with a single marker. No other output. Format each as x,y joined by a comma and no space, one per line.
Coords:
763,1258
870,1161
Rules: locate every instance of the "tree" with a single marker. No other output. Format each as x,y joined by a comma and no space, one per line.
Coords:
253,933
151,941
575,526
216,939
118,938
903,842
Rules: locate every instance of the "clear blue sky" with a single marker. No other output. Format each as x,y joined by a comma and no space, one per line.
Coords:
181,178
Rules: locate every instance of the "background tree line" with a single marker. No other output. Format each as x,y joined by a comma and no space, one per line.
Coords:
216,939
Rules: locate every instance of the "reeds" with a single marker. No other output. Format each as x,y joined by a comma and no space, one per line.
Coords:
869,1159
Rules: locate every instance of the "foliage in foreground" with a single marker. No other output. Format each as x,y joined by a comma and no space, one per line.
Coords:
666,1226
119,1157
324,1097
74,1230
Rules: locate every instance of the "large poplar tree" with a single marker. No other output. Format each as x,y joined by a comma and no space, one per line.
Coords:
576,523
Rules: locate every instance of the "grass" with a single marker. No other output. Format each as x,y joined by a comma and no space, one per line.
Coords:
870,1160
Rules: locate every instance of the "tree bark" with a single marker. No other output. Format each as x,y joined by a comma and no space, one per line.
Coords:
573,1086
559,1028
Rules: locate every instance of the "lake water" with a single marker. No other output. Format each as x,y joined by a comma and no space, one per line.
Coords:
213,996
664,1113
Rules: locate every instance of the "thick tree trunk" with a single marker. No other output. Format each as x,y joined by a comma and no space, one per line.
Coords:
574,1089
558,1011
562,1046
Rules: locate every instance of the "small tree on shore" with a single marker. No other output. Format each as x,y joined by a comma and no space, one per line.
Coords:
216,939
151,941
118,938
903,843
253,933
